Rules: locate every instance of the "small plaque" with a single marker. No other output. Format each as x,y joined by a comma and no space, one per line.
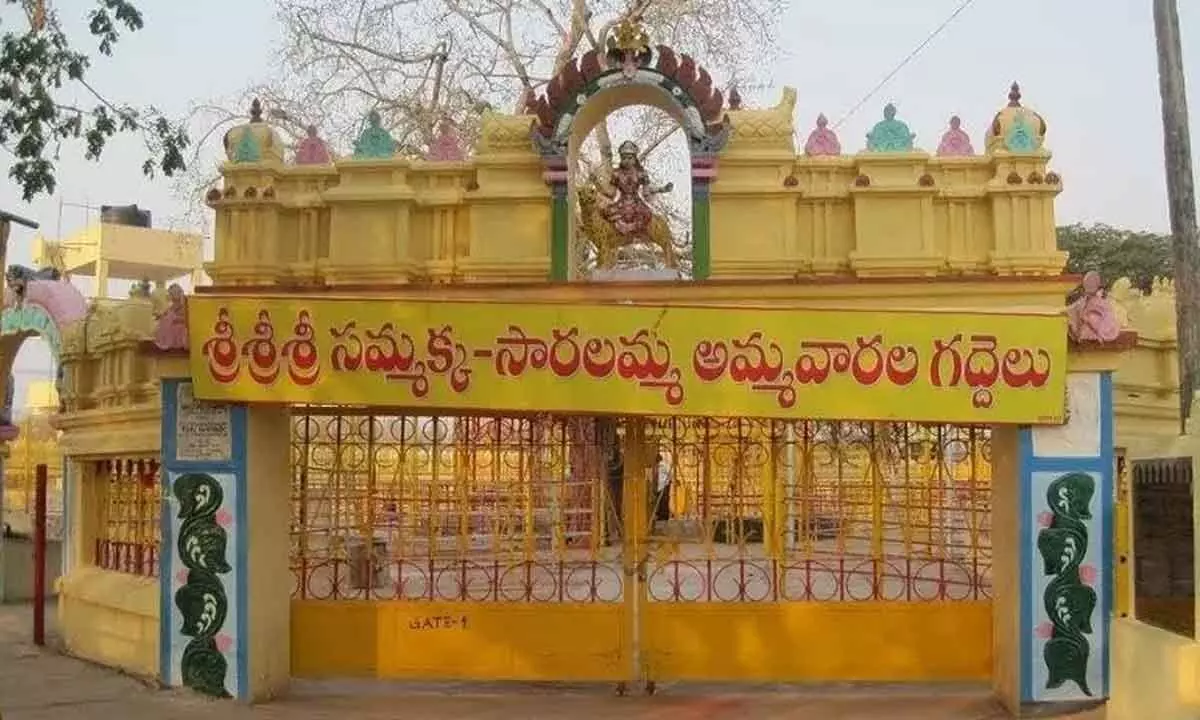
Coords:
203,430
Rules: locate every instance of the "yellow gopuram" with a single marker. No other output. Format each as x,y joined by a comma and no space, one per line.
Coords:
479,416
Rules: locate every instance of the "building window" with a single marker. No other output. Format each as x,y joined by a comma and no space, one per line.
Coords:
128,532
1164,572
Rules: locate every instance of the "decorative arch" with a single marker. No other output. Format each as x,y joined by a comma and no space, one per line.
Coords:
684,89
43,308
35,308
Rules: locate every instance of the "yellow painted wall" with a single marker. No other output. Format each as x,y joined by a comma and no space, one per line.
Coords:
110,618
112,411
1155,673
819,642
488,218
106,251
269,485
759,642
431,641
1006,538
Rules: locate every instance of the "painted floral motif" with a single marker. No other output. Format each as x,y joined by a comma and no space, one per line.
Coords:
201,600
1069,599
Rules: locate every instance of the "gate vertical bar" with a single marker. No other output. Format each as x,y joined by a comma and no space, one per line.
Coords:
877,499
634,510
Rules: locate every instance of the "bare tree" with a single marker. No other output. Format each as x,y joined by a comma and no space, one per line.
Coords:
417,61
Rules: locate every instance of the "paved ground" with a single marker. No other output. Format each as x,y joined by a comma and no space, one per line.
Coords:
44,685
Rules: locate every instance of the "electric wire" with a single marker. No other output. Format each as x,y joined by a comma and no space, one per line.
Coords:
963,6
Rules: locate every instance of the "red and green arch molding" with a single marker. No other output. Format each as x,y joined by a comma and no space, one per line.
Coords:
681,82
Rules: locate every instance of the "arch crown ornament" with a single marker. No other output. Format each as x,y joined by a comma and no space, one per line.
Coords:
629,60
40,302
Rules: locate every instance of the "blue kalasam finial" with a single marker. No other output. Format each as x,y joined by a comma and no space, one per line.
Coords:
890,134
248,149
374,142
1020,137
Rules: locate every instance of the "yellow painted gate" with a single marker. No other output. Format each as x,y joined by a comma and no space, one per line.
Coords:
622,549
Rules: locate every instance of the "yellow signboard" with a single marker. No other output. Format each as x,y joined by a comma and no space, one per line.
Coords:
943,367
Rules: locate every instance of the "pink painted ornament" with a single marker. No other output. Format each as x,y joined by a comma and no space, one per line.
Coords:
1088,575
822,140
1092,317
1044,631
955,142
171,331
447,145
61,300
224,643
181,577
1045,518
312,150
224,519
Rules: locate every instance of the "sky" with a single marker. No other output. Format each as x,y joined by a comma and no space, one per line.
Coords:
1088,66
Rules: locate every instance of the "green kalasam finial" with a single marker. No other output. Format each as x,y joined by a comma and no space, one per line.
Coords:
374,142
890,134
247,149
1020,137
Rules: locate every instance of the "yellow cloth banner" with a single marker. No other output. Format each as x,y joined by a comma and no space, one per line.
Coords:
935,367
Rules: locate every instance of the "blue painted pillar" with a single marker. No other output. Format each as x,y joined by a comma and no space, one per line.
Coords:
202,568
1065,518
225,628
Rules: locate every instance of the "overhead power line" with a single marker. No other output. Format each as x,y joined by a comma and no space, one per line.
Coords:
901,65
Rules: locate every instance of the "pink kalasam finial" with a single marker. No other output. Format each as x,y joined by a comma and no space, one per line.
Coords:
447,145
955,142
312,149
822,140
1092,317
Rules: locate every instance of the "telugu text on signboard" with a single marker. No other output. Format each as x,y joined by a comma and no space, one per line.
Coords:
637,360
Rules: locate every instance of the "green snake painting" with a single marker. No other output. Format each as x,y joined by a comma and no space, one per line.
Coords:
202,602
1069,601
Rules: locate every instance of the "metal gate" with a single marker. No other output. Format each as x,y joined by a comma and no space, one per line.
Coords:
817,551
554,548
1163,546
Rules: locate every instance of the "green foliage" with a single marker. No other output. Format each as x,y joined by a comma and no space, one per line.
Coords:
1115,253
37,64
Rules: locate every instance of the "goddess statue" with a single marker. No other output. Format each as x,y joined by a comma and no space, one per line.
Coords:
1091,317
171,330
627,218
628,189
